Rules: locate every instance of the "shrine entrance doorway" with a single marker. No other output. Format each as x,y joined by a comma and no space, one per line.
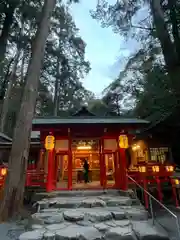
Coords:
85,150
93,160
61,171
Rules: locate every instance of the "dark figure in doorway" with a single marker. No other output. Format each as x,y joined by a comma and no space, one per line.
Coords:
86,171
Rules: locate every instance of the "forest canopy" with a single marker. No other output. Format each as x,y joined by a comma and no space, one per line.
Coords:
149,82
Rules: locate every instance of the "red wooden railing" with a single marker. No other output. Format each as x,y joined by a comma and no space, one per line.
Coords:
35,178
148,178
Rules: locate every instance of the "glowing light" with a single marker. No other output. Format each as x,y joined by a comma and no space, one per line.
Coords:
123,141
155,168
169,168
135,147
176,181
142,169
3,171
88,147
49,142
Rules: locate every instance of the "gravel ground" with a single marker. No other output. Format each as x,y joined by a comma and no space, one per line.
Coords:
10,231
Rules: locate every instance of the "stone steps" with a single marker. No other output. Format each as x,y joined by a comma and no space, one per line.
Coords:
80,193
91,215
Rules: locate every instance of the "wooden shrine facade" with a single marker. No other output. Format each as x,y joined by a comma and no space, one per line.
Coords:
85,136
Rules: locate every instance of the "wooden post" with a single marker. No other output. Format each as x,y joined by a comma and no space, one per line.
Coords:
40,164
69,162
174,192
160,196
122,170
49,183
103,166
100,161
116,169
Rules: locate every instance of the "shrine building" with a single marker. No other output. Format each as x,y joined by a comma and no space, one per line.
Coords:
66,142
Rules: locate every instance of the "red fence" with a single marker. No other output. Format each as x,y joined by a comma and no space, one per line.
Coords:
149,176
35,178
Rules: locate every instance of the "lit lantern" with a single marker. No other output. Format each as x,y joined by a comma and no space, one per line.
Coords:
142,169
3,171
123,141
176,181
135,147
155,168
169,168
49,142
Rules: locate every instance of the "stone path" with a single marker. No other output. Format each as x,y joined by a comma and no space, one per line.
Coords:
105,216
10,231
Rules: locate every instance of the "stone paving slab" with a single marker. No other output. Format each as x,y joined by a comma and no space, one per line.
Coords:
10,231
104,217
81,193
145,231
122,230
88,202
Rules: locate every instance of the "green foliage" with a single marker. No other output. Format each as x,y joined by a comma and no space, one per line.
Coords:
100,108
149,83
64,63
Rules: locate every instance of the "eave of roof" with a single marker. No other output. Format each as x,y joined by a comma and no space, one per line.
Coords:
2,135
88,120
10,143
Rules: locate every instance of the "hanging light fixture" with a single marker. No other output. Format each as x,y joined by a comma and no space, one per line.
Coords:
155,168
169,168
142,169
88,147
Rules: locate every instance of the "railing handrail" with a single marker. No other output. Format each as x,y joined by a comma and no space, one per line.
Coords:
150,195
162,205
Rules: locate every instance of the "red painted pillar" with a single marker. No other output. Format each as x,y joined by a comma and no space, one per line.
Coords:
122,169
104,172
49,183
160,196
40,164
118,172
103,166
174,192
116,158
101,161
145,186
70,165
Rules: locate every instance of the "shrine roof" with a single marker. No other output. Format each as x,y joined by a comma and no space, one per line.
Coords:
4,137
87,120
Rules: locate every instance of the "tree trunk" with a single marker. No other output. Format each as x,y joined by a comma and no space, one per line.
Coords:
6,28
22,68
14,187
12,77
168,49
167,46
5,81
56,86
175,29
56,89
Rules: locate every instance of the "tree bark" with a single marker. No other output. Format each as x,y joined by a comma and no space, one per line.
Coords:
6,28
12,77
56,88
5,81
15,181
167,46
175,29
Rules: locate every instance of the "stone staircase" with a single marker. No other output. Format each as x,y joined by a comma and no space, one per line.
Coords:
91,215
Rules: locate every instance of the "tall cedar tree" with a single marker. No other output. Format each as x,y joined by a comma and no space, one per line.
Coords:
14,186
